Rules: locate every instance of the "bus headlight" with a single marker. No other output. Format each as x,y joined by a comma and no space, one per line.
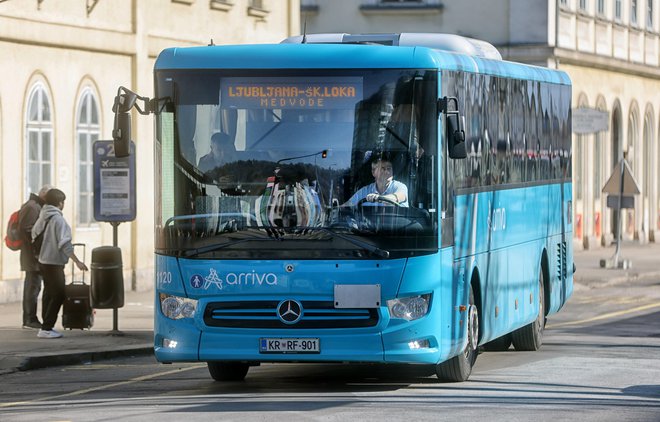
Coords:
175,307
409,308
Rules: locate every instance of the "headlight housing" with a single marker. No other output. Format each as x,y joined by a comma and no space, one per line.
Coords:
409,308
175,307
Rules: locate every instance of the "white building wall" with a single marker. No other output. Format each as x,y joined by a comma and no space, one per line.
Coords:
59,43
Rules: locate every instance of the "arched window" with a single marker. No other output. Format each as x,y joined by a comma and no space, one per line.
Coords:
657,180
579,157
647,146
648,165
631,141
87,132
616,132
39,139
601,173
633,156
599,166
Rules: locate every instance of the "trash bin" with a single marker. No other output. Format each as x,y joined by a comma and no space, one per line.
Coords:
107,285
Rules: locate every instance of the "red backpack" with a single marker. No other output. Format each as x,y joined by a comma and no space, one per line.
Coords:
13,239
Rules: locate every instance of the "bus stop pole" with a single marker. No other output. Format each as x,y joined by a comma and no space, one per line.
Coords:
115,311
618,219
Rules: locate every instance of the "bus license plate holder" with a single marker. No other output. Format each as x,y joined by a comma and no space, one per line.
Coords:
289,345
352,296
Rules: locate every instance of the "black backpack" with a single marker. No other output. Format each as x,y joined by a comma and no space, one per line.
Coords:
39,240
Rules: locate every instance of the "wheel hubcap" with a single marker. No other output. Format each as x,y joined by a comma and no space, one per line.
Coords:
473,328
540,319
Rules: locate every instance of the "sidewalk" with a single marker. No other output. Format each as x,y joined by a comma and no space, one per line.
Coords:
21,349
645,263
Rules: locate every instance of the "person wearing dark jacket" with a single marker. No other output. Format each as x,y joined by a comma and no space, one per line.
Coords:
27,216
56,250
223,151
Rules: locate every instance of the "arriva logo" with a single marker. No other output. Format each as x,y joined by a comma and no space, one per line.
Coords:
233,279
496,218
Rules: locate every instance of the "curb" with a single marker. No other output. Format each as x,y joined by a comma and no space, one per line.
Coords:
626,278
74,358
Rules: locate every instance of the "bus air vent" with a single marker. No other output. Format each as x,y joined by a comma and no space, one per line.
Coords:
561,261
263,314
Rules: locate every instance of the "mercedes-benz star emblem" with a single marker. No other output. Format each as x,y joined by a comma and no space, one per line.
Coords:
289,311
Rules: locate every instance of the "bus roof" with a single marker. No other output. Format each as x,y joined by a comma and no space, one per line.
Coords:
346,56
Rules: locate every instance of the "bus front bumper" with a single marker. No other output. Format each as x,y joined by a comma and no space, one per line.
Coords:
181,341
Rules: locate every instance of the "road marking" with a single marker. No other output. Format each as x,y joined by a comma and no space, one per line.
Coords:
606,316
102,387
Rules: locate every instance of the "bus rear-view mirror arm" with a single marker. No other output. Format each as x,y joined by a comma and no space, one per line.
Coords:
454,127
125,100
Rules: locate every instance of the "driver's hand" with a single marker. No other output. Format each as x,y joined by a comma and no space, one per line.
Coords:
372,197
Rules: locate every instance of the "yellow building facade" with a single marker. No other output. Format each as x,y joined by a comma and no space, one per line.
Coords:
62,63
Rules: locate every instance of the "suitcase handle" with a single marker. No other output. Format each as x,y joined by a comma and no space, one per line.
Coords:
73,264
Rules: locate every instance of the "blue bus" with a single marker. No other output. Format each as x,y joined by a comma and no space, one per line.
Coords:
264,254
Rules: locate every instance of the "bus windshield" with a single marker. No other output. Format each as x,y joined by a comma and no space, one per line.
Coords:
272,164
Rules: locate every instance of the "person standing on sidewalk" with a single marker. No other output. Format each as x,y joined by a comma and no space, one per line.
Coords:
27,216
56,250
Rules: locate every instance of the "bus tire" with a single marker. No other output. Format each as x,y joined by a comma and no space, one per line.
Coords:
228,371
530,337
500,344
459,368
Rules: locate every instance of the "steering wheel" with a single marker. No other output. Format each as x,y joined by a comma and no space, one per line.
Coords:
381,198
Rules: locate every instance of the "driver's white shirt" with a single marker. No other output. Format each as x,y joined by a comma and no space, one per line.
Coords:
392,188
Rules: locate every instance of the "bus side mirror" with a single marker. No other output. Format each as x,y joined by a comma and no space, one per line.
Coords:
455,135
125,100
121,134
121,131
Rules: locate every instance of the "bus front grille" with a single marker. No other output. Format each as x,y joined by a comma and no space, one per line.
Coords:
263,314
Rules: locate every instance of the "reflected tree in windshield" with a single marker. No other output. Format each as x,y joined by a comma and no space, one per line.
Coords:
251,155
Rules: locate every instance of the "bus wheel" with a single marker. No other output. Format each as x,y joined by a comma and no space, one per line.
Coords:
228,371
500,344
459,367
530,337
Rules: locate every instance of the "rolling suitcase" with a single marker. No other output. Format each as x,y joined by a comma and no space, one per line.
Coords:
77,310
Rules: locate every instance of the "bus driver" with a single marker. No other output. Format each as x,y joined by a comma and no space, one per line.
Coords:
383,187
222,152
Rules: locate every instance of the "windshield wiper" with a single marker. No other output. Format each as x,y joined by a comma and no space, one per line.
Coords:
357,242
191,253
278,234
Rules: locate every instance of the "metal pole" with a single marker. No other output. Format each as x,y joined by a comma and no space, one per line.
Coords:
115,225
115,311
618,225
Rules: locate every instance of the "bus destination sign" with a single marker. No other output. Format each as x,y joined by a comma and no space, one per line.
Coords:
290,92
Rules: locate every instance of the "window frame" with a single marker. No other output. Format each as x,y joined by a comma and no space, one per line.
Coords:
91,132
40,127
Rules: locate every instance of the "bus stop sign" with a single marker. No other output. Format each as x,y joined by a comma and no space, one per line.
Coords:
114,184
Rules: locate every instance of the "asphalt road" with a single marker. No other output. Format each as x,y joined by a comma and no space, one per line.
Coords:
600,362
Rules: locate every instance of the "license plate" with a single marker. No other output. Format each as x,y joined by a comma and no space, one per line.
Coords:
289,345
